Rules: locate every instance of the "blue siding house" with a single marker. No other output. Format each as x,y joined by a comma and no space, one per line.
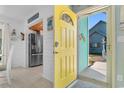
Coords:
96,35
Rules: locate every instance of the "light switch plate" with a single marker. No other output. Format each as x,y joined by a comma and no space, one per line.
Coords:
120,77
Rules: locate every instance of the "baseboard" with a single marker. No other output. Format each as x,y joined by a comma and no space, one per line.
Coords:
47,78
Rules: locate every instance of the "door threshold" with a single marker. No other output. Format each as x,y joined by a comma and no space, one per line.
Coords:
72,84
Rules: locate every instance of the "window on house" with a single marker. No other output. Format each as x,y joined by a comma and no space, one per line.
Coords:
95,45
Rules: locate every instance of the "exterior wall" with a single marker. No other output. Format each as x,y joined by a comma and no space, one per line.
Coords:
100,28
96,38
96,34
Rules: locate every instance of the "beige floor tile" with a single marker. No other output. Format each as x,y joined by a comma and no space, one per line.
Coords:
28,78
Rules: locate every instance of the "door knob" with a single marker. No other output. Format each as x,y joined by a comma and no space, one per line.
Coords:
109,46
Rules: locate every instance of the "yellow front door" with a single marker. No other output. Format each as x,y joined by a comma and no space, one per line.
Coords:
65,46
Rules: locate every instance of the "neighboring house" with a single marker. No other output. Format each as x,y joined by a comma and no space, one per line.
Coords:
96,35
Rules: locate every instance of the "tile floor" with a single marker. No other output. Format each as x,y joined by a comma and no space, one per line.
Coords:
32,78
27,78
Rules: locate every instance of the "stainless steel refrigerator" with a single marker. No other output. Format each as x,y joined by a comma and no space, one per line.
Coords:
35,47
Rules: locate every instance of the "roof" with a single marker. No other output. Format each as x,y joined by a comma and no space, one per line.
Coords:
98,29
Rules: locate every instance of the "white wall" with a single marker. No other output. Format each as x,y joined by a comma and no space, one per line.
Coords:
19,51
120,47
48,63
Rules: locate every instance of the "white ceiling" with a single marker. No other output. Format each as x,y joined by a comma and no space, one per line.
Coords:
17,12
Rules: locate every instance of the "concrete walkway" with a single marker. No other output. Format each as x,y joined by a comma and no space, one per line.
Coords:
96,71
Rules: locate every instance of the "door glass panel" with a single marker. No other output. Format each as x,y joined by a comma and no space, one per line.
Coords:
67,18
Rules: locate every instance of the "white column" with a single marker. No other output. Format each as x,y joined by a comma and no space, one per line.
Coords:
103,48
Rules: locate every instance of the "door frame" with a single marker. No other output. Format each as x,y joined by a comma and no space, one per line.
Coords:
27,27
112,78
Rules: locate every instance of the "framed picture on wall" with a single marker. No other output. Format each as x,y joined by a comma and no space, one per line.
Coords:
50,23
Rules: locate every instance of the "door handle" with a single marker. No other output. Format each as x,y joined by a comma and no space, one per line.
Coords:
109,46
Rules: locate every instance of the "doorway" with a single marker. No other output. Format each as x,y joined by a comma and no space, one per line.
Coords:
35,47
97,61
83,39
94,45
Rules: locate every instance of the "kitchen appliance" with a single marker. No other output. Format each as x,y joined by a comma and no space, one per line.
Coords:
35,47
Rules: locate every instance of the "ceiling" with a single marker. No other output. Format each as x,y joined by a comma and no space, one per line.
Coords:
37,27
17,12
20,12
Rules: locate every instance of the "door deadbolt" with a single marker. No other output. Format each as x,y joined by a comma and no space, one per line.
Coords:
56,44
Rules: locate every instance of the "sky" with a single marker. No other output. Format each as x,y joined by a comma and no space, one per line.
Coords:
95,18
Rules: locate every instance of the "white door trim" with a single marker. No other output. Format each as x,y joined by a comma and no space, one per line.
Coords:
27,28
91,9
111,9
